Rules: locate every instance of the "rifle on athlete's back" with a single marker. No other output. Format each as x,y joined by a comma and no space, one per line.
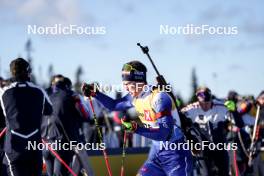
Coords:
185,122
160,79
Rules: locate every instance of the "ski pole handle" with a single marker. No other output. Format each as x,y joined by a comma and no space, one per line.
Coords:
145,50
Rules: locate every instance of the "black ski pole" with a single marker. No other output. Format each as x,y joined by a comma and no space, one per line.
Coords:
162,82
145,50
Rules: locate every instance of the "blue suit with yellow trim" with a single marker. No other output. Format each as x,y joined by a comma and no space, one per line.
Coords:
154,108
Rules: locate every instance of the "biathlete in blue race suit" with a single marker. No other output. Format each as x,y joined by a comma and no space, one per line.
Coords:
155,109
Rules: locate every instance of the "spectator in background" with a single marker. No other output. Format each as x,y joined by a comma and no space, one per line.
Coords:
54,79
258,163
64,124
240,121
210,118
23,102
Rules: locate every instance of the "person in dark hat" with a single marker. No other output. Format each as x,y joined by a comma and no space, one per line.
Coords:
233,96
23,104
53,80
64,126
209,117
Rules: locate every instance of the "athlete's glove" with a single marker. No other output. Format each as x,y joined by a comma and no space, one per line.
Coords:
129,126
88,89
230,105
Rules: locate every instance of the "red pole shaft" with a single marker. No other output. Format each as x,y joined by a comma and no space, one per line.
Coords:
59,158
235,164
101,140
123,155
2,132
50,149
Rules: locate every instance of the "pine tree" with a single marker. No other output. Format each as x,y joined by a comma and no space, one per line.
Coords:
78,83
50,73
194,85
29,49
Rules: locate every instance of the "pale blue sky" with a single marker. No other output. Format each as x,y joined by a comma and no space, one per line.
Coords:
236,60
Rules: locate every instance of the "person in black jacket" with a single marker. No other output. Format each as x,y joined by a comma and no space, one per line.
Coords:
63,125
2,126
23,104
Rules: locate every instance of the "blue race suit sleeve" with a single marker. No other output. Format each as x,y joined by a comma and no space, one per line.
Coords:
162,102
121,104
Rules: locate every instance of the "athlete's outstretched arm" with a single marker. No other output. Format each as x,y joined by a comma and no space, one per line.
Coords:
121,104
162,105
